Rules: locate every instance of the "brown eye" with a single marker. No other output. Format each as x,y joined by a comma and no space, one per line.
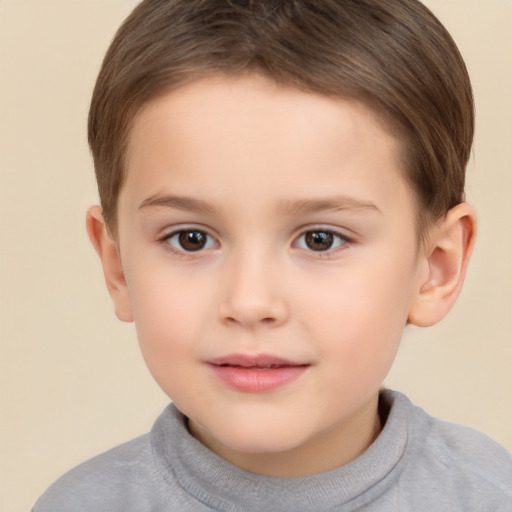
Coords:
190,240
320,240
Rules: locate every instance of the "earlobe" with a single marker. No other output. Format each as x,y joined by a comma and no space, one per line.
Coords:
112,268
447,257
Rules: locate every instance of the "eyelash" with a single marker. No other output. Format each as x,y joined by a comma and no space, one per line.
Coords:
167,240
335,237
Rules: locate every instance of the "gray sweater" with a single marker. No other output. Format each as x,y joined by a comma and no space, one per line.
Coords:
417,464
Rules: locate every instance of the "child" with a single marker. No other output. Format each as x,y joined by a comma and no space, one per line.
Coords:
282,192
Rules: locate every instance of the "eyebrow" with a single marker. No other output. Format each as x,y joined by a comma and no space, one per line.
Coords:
178,202
335,203
292,207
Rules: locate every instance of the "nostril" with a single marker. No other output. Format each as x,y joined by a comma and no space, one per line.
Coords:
266,320
251,321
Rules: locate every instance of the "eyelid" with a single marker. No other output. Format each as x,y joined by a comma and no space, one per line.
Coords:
170,232
338,233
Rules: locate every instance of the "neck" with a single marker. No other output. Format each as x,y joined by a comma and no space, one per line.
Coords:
329,450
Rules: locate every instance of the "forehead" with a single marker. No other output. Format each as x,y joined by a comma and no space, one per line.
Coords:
248,134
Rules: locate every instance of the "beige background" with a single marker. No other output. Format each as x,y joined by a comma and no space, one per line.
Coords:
72,382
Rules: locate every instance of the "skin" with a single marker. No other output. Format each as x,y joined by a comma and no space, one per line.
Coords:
256,167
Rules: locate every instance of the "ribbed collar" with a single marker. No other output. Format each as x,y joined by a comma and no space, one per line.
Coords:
222,486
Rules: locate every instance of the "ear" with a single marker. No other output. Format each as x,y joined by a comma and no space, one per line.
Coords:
447,255
112,268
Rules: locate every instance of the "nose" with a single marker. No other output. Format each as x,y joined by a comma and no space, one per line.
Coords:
253,294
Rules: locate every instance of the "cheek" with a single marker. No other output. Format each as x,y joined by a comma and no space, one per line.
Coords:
361,311
168,317
169,311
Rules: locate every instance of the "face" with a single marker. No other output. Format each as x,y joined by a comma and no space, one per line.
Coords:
269,247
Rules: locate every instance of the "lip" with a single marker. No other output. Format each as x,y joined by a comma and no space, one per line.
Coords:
256,374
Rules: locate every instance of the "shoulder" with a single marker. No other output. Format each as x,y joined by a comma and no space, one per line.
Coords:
466,466
479,457
101,482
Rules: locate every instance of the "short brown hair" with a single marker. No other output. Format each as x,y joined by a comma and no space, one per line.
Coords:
394,55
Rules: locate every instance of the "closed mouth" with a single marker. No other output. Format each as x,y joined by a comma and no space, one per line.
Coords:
256,374
264,362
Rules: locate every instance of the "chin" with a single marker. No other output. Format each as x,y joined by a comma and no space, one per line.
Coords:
260,440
